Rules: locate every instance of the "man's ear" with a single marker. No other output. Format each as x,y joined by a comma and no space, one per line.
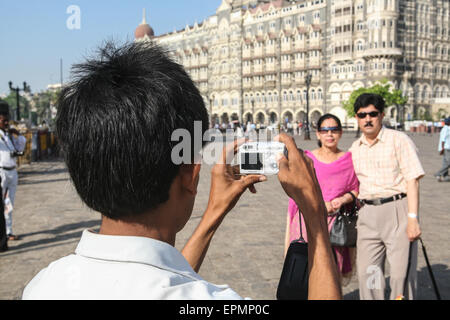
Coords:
190,174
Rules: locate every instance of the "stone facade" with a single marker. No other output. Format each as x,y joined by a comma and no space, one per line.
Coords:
250,58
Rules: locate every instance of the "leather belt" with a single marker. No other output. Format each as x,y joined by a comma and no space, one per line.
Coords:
380,201
8,168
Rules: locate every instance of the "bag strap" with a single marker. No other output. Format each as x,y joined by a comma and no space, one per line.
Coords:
353,204
301,239
353,196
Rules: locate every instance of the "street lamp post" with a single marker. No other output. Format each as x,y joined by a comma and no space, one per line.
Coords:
210,113
253,110
26,88
308,83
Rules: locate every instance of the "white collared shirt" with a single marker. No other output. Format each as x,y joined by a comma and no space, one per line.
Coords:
7,146
122,268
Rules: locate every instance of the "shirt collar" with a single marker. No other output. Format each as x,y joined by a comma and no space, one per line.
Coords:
380,137
135,250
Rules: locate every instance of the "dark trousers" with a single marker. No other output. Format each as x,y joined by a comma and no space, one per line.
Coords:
3,238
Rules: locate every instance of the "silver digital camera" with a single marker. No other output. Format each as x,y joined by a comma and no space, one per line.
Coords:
260,157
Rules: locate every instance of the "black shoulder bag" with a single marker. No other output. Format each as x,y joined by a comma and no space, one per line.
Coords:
343,232
293,283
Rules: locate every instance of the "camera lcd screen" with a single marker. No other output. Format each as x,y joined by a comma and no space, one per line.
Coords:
251,161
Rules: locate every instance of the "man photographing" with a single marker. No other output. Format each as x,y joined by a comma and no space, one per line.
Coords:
114,124
12,144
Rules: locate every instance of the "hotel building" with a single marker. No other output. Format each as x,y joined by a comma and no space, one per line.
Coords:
250,59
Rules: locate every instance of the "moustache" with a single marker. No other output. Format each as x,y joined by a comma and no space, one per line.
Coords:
369,124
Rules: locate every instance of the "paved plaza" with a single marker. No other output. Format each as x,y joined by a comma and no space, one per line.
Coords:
246,252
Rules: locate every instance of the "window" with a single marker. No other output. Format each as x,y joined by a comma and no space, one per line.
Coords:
359,46
359,67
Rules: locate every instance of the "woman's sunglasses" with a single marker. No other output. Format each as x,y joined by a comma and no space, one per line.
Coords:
332,129
372,114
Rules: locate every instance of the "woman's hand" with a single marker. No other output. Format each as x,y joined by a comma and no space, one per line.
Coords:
330,208
337,203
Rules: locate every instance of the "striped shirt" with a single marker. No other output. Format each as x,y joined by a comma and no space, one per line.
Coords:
384,167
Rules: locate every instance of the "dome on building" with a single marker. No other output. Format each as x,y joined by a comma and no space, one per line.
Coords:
144,30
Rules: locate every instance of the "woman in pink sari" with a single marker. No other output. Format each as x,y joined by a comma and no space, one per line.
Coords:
336,176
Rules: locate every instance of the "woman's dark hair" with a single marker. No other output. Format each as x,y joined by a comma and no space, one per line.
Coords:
325,117
115,122
367,99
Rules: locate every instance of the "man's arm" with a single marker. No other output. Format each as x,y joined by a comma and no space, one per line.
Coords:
226,189
413,228
298,179
196,247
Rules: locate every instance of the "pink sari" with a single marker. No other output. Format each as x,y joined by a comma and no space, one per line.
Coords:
335,179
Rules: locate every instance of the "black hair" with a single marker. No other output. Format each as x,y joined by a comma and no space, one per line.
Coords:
325,117
4,108
115,122
366,99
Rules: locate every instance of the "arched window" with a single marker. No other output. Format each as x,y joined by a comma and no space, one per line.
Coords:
319,94
359,46
417,91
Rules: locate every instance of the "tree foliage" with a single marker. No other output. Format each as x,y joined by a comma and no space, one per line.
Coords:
391,96
11,99
43,102
40,102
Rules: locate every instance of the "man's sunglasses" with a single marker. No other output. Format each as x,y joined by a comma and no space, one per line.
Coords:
372,114
332,129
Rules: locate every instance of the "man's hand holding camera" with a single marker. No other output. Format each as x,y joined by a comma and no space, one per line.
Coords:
227,185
